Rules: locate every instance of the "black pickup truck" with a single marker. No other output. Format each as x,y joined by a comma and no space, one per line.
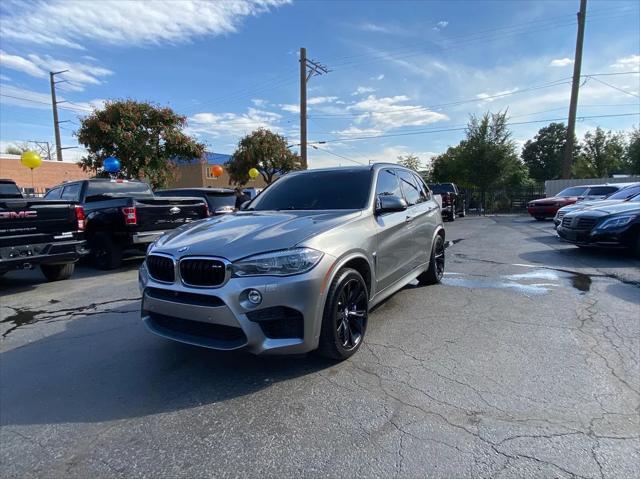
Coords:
453,201
123,215
36,232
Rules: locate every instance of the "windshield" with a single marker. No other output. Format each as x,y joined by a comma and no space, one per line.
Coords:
217,200
625,193
345,189
117,188
9,190
441,188
601,190
573,191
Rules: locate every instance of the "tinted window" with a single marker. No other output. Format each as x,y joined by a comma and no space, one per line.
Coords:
216,200
343,189
625,193
71,192
9,190
440,188
53,194
388,184
573,191
424,194
117,188
601,190
410,188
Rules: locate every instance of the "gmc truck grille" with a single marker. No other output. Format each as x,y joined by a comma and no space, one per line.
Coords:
161,268
202,272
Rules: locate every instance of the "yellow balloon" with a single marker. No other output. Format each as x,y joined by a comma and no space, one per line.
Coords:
31,159
253,173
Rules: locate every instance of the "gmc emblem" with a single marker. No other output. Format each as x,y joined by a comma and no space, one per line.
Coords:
12,215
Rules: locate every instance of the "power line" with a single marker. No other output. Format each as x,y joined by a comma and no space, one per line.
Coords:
615,87
336,154
442,130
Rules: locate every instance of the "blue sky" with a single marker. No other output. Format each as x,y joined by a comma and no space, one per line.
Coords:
401,71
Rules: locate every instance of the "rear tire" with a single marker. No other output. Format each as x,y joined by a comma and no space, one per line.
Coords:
463,213
106,254
344,321
57,272
436,264
539,218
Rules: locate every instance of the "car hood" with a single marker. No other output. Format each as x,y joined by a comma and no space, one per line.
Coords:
612,209
588,204
554,199
238,235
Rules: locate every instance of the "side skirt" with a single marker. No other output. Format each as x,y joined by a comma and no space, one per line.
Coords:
398,285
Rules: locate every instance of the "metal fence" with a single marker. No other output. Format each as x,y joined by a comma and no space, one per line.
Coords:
502,200
553,187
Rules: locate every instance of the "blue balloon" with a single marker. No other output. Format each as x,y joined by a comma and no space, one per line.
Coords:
111,164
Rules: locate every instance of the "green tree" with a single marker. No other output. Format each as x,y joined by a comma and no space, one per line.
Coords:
632,156
544,154
447,166
410,161
267,152
602,154
17,149
146,138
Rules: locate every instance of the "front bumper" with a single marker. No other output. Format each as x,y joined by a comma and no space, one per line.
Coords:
609,238
219,318
146,237
27,256
544,211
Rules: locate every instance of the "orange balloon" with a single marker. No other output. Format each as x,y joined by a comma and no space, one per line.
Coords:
217,170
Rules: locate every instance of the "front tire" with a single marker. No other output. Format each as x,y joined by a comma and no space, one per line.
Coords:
105,252
57,272
436,264
345,316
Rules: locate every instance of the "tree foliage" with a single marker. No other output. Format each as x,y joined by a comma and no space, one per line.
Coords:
410,161
146,138
17,149
602,154
544,154
485,159
632,155
267,152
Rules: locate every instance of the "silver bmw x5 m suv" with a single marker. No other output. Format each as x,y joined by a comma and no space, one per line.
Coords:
300,267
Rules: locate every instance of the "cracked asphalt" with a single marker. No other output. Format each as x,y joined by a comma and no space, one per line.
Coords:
524,363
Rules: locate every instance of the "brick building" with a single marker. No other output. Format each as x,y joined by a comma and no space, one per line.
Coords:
199,174
49,174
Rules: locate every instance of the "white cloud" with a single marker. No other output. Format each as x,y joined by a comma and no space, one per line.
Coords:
632,63
389,154
219,124
354,131
318,100
490,97
373,27
290,107
79,74
561,62
379,77
442,24
5,78
260,103
390,112
361,90
70,23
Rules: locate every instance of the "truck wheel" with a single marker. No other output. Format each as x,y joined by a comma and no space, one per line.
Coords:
57,272
436,264
106,254
344,320
452,217
463,213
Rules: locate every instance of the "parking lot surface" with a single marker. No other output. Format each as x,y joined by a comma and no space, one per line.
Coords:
524,363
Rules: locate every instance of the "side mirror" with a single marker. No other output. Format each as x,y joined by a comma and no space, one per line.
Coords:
390,204
244,205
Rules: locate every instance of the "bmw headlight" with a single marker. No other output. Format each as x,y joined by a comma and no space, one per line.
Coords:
278,263
615,222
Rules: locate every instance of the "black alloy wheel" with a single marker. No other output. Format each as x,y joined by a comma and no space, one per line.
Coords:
346,311
436,263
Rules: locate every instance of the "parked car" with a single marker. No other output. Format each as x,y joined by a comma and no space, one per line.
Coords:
124,216
612,226
453,201
219,200
300,268
548,207
252,192
36,232
628,191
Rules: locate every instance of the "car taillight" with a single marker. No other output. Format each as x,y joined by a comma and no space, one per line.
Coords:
446,199
80,218
130,216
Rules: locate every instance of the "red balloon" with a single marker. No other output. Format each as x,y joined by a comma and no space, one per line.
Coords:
217,171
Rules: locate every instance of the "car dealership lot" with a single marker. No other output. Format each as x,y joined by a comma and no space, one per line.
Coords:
525,362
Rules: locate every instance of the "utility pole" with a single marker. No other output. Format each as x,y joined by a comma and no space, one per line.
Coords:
54,104
308,68
575,87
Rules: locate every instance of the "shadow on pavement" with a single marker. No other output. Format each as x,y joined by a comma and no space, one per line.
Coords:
570,257
109,367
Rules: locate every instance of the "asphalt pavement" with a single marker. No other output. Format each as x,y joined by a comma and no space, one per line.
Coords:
523,363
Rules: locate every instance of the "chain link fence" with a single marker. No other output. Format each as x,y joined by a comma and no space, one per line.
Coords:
501,200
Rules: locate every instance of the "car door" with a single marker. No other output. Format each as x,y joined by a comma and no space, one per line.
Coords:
394,242
430,219
417,217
